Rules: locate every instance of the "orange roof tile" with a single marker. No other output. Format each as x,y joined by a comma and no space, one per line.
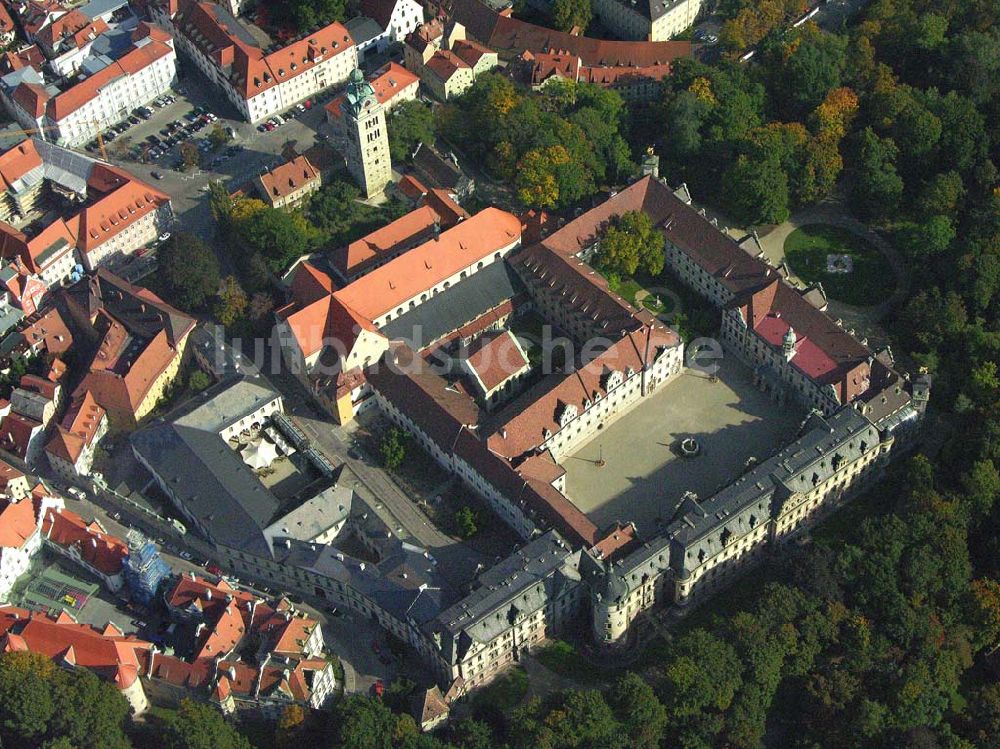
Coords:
445,63
463,246
387,241
254,72
16,432
78,428
411,187
118,209
113,658
18,522
67,102
99,550
495,359
288,178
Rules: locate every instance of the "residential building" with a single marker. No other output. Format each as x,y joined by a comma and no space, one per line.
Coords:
327,334
110,654
288,185
647,20
130,342
286,667
496,364
503,32
445,60
364,138
258,83
8,31
20,534
104,89
117,214
71,449
397,17
86,544
541,69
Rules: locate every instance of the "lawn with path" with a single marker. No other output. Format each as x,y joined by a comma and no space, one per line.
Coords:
867,284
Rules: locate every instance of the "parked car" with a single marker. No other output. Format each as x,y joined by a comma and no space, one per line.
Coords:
156,175
213,569
185,555
378,688
163,238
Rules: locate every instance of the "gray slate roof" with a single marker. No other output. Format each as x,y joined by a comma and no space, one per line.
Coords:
205,473
457,306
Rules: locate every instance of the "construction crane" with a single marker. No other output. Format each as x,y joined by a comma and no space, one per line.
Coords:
97,134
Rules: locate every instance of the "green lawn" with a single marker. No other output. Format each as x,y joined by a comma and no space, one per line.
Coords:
870,281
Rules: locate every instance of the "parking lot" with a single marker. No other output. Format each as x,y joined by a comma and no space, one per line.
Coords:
257,151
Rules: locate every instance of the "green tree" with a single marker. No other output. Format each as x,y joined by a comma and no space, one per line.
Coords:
569,14
630,244
410,124
363,723
190,155
877,186
198,381
466,522
219,136
468,733
197,725
88,712
393,448
189,269
281,237
757,192
26,700
232,302
639,711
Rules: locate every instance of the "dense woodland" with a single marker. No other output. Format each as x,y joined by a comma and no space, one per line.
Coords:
878,633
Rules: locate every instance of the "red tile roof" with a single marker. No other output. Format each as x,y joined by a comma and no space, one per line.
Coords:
18,161
470,52
114,658
6,22
253,72
78,428
70,100
73,24
288,178
445,63
507,33
530,419
406,231
24,58
127,200
18,522
16,432
495,359
120,384
387,82
8,473
98,549
823,352
380,10
32,98
50,330
411,187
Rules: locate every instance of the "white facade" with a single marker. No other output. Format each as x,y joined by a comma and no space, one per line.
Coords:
329,71
407,15
114,101
128,240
